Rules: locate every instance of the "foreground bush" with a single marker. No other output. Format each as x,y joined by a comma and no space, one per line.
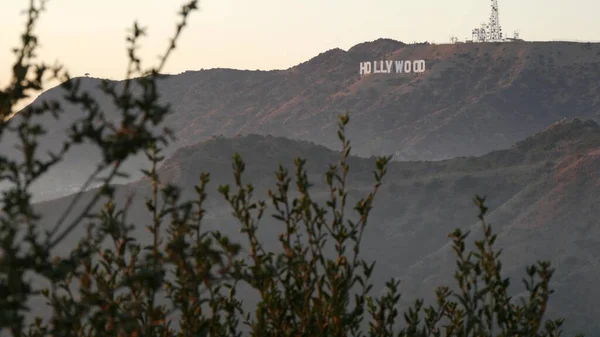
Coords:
110,285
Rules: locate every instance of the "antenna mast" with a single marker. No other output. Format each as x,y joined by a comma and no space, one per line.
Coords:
491,31
494,29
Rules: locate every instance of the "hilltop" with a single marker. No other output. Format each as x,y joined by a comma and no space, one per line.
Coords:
542,194
472,99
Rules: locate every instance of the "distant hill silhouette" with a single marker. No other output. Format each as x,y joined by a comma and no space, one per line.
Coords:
473,98
543,195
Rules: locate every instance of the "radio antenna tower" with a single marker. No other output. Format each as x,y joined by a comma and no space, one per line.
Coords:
491,31
494,29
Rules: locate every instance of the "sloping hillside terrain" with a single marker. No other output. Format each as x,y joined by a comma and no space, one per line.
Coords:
542,194
472,98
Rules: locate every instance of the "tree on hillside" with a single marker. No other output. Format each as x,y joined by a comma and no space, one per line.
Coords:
110,283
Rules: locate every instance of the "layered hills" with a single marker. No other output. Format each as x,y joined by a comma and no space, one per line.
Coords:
542,193
472,98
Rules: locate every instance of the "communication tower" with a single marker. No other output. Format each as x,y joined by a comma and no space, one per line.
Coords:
494,28
491,31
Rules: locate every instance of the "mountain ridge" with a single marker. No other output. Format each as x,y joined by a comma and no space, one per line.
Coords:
472,99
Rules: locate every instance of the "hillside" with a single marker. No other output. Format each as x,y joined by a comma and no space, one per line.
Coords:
472,98
553,218
542,194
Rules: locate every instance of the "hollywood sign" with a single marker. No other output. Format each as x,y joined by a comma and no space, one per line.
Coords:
389,66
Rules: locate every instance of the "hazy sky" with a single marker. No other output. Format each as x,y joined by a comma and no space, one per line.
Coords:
89,35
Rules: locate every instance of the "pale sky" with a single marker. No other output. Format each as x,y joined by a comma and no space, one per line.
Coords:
89,35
